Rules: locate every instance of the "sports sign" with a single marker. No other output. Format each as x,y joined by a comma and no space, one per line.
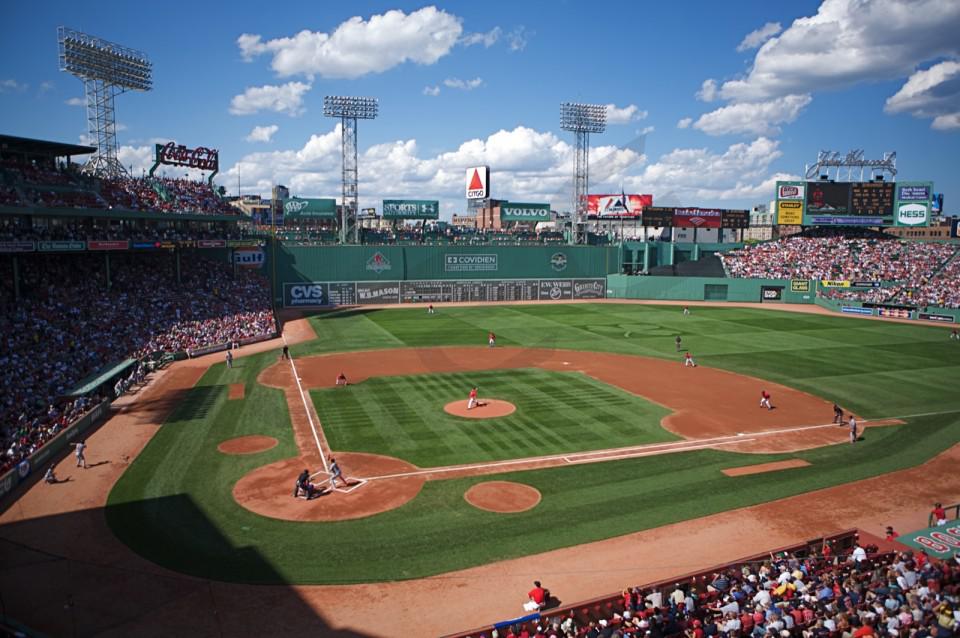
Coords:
411,209
914,203
309,208
697,218
617,206
469,263
524,212
172,154
478,182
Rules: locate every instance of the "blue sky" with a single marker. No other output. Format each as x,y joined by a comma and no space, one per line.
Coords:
712,102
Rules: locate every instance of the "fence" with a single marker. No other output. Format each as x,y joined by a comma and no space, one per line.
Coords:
709,289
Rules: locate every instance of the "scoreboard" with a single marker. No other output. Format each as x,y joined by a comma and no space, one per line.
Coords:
877,203
872,198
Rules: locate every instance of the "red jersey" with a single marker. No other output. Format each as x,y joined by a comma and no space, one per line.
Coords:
473,393
536,594
765,394
689,356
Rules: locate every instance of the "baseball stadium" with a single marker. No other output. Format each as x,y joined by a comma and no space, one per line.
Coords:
239,416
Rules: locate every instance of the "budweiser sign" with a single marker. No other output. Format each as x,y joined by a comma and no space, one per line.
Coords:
206,159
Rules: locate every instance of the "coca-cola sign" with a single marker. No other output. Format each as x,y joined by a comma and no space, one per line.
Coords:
205,159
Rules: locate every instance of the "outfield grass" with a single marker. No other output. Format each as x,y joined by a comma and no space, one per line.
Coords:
556,412
174,504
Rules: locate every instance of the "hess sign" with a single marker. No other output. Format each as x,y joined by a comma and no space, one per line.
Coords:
205,159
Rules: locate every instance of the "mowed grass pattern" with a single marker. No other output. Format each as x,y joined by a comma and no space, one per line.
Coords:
174,504
556,412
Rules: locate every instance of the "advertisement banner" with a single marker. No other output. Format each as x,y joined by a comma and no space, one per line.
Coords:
376,292
304,295
469,263
865,284
61,246
789,213
697,217
309,208
913,214
913,192
243,243
144,245
955,227
930,316
835,283
771,293
211,243
524,212
16,247
249,257
799,285
853,310
617,206
791,191
108,245
411,209
589,288
894,313
478,182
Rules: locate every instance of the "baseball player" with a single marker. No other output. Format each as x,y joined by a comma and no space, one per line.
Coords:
688,361
678,341
472,401
954,334
491,340
430,309
50,476
853,429
229,359
765,400
686,310
837,414
341,379
336,473
80,448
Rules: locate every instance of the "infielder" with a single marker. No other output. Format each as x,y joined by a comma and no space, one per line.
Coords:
853,429
765,400
80,447
491,340
688,361
837,414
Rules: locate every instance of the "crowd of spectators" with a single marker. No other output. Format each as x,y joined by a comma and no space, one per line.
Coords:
860,595
925,273
164,194
69,324
12,229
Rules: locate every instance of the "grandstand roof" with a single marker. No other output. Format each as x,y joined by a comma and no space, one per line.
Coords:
27,146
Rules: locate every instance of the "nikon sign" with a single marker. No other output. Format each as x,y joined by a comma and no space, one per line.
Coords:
411,209
520,212
308,208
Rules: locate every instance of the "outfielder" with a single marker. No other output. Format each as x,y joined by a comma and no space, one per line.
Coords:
688,361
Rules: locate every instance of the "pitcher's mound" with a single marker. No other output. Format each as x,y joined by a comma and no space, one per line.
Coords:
247,444
503,497
487,409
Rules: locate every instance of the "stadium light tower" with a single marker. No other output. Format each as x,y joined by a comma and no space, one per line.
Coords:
582,119
349,110
107,69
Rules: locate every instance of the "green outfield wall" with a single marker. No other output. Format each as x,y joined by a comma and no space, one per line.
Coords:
708,289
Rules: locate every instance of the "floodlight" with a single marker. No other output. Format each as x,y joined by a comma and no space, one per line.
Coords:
349,110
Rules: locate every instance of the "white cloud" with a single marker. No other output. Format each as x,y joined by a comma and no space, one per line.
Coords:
697,176
946,122
528,165
433,91
755,38
358,47
487,39
46,86
120,126
685,122
76,101
757,118
463,85
262,133
932,93
848,42
518,38
625,115
286,98
708,91
646,130
12,86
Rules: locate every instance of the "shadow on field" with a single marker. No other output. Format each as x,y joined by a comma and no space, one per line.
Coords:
67,575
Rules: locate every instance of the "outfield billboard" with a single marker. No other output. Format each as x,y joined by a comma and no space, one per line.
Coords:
790,199
411,209
617,206
914,203
524,212
309,208
478,182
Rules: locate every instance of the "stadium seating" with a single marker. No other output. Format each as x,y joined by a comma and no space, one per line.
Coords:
792,595
69,324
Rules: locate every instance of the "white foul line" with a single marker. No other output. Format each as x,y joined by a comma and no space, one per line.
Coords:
306,407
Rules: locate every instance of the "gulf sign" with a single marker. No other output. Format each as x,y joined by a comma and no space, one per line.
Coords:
478,182
617,206
249,257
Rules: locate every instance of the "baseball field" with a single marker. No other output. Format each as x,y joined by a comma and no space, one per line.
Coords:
610,430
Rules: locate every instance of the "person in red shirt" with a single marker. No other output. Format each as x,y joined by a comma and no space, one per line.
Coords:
472,402
537,597
939,514
891,535
491,339
765,400
688,361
